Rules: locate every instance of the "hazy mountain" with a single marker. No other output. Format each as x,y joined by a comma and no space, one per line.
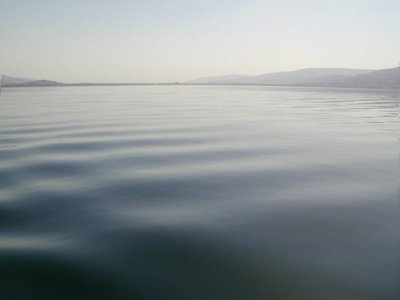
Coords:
323,77
304,75
16,81
9,80
384,79
40,83
281,78
317,77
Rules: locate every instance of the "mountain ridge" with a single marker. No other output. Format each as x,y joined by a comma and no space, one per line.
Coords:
317,77
9,80
311,77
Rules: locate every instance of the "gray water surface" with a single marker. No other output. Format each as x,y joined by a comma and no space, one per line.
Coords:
199,192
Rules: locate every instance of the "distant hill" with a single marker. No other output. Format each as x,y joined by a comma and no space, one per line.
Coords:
37,83
318,77
381,79
281,78
8,81
304,75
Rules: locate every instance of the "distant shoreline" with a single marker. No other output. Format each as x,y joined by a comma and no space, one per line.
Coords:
81,84
387,79
188,84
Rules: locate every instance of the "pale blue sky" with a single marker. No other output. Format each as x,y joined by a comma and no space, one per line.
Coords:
154,40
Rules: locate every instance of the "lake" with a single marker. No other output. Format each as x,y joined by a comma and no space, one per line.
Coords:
199,192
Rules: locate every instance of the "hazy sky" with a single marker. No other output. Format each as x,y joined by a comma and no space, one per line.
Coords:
177,40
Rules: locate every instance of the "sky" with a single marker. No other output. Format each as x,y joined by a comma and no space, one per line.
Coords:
179,40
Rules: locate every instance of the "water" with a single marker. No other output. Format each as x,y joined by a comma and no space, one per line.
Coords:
198,192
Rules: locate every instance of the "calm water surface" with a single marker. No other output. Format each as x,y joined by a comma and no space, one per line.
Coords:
199,192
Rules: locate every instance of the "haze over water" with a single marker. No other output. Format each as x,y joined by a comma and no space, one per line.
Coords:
198,192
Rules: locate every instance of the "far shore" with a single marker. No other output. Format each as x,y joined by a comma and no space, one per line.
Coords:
184,84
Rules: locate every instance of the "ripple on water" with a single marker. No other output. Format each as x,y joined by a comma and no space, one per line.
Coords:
196,192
